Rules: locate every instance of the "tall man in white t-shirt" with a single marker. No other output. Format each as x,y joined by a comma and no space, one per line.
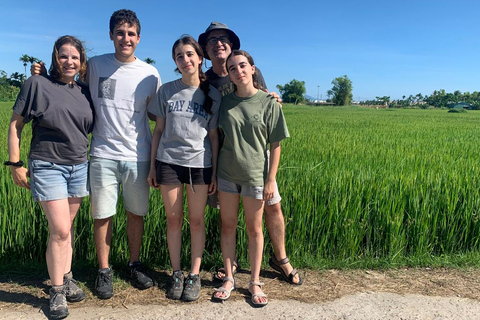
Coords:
122,86
217,42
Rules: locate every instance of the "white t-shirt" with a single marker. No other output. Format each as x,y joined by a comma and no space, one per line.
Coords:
184,140
121,93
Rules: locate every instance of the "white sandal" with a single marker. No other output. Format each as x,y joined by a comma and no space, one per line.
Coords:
257,295
223,290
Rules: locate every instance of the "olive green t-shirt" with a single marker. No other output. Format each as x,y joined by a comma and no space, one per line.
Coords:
249,125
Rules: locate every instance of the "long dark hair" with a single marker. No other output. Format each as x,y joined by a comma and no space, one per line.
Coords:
252,63
55,70
204,83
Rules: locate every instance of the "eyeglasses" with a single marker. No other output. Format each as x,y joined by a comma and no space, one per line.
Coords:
223,39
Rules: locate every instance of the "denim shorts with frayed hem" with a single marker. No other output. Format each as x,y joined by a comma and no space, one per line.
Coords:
50,181
109,177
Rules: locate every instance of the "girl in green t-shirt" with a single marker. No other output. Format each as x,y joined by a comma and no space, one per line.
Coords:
251,121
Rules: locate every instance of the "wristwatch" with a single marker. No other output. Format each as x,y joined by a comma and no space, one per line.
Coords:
15,164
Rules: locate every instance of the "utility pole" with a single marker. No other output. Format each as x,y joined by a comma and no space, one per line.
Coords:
318,91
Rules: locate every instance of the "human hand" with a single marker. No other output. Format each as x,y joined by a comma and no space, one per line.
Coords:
268,190
274,95
212,187
152,180
19,175
38,68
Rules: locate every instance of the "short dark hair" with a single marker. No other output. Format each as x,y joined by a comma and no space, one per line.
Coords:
124,16
55,70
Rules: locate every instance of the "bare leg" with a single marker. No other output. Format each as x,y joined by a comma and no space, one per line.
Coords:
196,216
229,215
253,220
102,229
275,224
59,225
173,199
134,235
74,205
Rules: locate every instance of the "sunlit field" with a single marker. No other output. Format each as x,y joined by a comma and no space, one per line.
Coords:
360,187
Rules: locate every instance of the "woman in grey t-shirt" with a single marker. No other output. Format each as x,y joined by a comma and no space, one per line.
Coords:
62,117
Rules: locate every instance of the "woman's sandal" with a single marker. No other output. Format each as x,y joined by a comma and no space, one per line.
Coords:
217,277
223,290
257,295
277,265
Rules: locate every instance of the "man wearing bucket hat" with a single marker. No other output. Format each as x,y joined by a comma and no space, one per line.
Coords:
217,42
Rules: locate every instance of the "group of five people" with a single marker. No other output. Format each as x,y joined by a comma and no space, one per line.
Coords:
113,98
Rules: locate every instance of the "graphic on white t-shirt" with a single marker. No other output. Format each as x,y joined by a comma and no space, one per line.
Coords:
106,88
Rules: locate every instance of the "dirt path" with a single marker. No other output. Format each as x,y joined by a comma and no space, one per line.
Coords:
347,295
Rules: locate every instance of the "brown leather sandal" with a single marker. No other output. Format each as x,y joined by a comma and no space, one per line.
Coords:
277,265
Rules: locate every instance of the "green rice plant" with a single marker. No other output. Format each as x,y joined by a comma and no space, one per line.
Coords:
359,187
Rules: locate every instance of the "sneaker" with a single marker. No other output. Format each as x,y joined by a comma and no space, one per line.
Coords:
138,277
58,303
191,289
175,291
104,284
72,292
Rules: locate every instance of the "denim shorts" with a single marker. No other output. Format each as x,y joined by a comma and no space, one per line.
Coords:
108,177
175,174
50,181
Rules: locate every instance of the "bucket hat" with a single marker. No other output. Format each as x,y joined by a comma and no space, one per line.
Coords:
202,39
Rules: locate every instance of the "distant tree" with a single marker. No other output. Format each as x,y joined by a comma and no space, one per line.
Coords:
150,61
383,100
341,91
25,59
293,91
28,59
17,79
7,91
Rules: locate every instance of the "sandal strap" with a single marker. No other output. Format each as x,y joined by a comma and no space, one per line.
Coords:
256,283
282,262
261,294
232,280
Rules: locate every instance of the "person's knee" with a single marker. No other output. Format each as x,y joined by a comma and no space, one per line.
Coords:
196,223
60,234
274,212
254,231
229,227
174,222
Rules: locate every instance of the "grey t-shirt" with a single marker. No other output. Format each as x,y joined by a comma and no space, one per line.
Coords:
184,140
62,117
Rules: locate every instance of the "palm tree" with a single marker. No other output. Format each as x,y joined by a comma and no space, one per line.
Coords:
25,59
149,61
28,59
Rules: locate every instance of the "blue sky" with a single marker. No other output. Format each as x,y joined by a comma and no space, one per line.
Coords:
390,48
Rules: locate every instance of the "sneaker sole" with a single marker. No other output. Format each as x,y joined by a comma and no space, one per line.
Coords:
190,299
76,299
104,296
142,287
59,314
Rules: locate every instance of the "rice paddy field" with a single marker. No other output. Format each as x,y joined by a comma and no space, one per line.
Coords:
361,188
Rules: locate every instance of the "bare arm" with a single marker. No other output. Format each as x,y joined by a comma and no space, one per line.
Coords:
269,187
157,134
19,174
214,142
